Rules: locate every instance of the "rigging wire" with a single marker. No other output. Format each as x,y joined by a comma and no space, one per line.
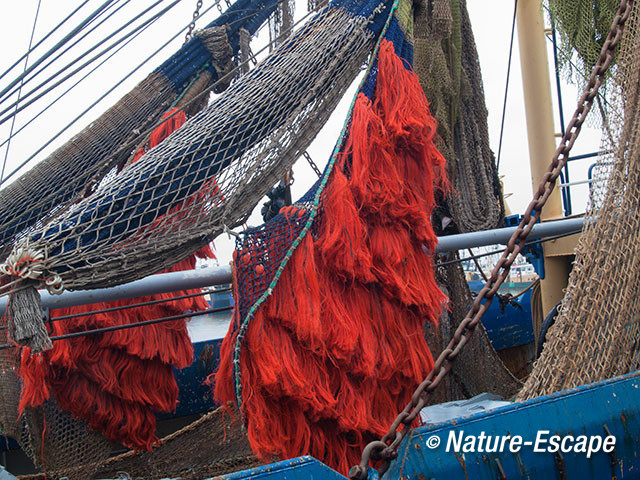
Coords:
200,293
36,74
91,60
506,88
26,62
63,94
102,97
68,90
58,45
31,49
150,129
114,328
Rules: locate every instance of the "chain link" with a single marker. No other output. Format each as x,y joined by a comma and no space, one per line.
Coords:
386,449
192,25
312,164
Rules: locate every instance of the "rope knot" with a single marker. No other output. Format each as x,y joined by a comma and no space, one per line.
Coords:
27,263
24,262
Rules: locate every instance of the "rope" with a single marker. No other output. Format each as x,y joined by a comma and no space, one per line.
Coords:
26,62
475,260
314,210
533,285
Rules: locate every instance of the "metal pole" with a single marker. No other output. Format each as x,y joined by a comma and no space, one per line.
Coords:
501,235
160,283
540,131
206,277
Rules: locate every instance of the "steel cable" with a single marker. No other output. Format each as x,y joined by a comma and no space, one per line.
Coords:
88,62
31,49
67,37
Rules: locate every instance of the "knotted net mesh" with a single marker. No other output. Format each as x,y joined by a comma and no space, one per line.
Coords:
446,60
9,387
582,27
596,333
478,368
214,444
75,169
215,169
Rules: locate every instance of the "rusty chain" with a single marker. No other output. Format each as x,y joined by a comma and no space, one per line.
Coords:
386,449
192,25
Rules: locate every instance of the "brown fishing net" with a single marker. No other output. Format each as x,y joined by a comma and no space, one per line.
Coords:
9,387
51,437
446,60
212,171
214,444
597,331
478,369
61,445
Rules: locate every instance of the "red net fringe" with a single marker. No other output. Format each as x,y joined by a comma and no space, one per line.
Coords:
335,352
116,381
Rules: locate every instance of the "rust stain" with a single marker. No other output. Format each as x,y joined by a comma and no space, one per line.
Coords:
464,465
623,418
519,462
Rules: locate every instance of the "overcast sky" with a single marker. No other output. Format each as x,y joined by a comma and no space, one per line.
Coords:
492,28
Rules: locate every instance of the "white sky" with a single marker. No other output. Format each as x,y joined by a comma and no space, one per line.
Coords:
491,22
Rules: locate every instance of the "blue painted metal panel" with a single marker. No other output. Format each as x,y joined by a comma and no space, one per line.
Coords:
509,325
608,406
301,468
195,396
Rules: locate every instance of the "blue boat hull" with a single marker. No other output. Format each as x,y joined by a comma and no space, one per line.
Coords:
609,407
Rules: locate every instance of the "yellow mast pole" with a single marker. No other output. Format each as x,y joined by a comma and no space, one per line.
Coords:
540,131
